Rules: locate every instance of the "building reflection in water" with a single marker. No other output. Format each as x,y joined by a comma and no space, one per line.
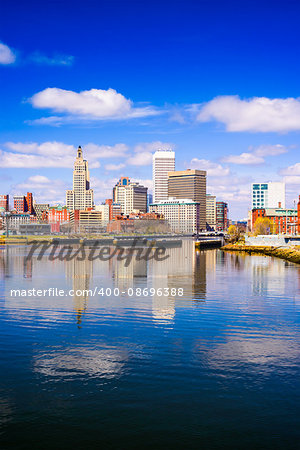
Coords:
2,271
265,273
2,263
13,262
185,268
80,272
132,276
27,268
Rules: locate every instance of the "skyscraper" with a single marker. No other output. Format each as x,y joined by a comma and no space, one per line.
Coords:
81,197
163,162
189,184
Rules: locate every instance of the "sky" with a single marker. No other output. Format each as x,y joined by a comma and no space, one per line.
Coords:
216,81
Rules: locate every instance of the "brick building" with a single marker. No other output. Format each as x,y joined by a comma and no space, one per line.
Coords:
24,204
140,222
4,202
222,216
114,208
283,221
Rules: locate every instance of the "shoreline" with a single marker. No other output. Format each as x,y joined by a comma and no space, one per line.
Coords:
289,254
117,240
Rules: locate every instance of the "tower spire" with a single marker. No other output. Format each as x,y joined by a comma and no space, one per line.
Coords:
79,152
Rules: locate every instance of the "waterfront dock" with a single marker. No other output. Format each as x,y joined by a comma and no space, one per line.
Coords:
203,244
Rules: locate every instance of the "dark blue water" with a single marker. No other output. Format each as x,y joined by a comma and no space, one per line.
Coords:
216,368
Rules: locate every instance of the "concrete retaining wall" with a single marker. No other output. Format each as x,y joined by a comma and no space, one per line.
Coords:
273,240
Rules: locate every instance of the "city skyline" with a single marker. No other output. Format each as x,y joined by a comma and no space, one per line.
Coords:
169,77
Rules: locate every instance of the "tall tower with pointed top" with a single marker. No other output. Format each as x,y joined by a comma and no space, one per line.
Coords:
81,196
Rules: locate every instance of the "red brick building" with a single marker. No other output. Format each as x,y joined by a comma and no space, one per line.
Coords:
222,216
128,223
19,204
59,214
4,202
24,204
55,216
283,221
114,208
29,203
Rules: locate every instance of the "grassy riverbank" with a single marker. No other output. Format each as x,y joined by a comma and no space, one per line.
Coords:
289,254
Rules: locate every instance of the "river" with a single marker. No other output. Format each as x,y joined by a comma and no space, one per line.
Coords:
143,364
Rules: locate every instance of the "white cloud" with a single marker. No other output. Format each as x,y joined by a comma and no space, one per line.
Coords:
140,159
177,116
293,180
232,189
61,155
34,155
114,166
39,179
144,151
291,175
7,56
212,169
56,154
48,148
43,189
153,146
93,104
291,170
258,114
55,60
105,151
19,160
256,156
102,188
243,158
270,150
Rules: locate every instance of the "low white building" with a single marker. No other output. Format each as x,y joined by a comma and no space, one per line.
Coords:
15,220
183,215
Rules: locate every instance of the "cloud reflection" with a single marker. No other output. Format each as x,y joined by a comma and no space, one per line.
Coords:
263,352
106,362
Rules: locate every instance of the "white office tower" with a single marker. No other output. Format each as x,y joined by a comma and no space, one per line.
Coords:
268,195
81,196
163,162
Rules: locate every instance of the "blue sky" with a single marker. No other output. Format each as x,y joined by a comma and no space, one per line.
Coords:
216,81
